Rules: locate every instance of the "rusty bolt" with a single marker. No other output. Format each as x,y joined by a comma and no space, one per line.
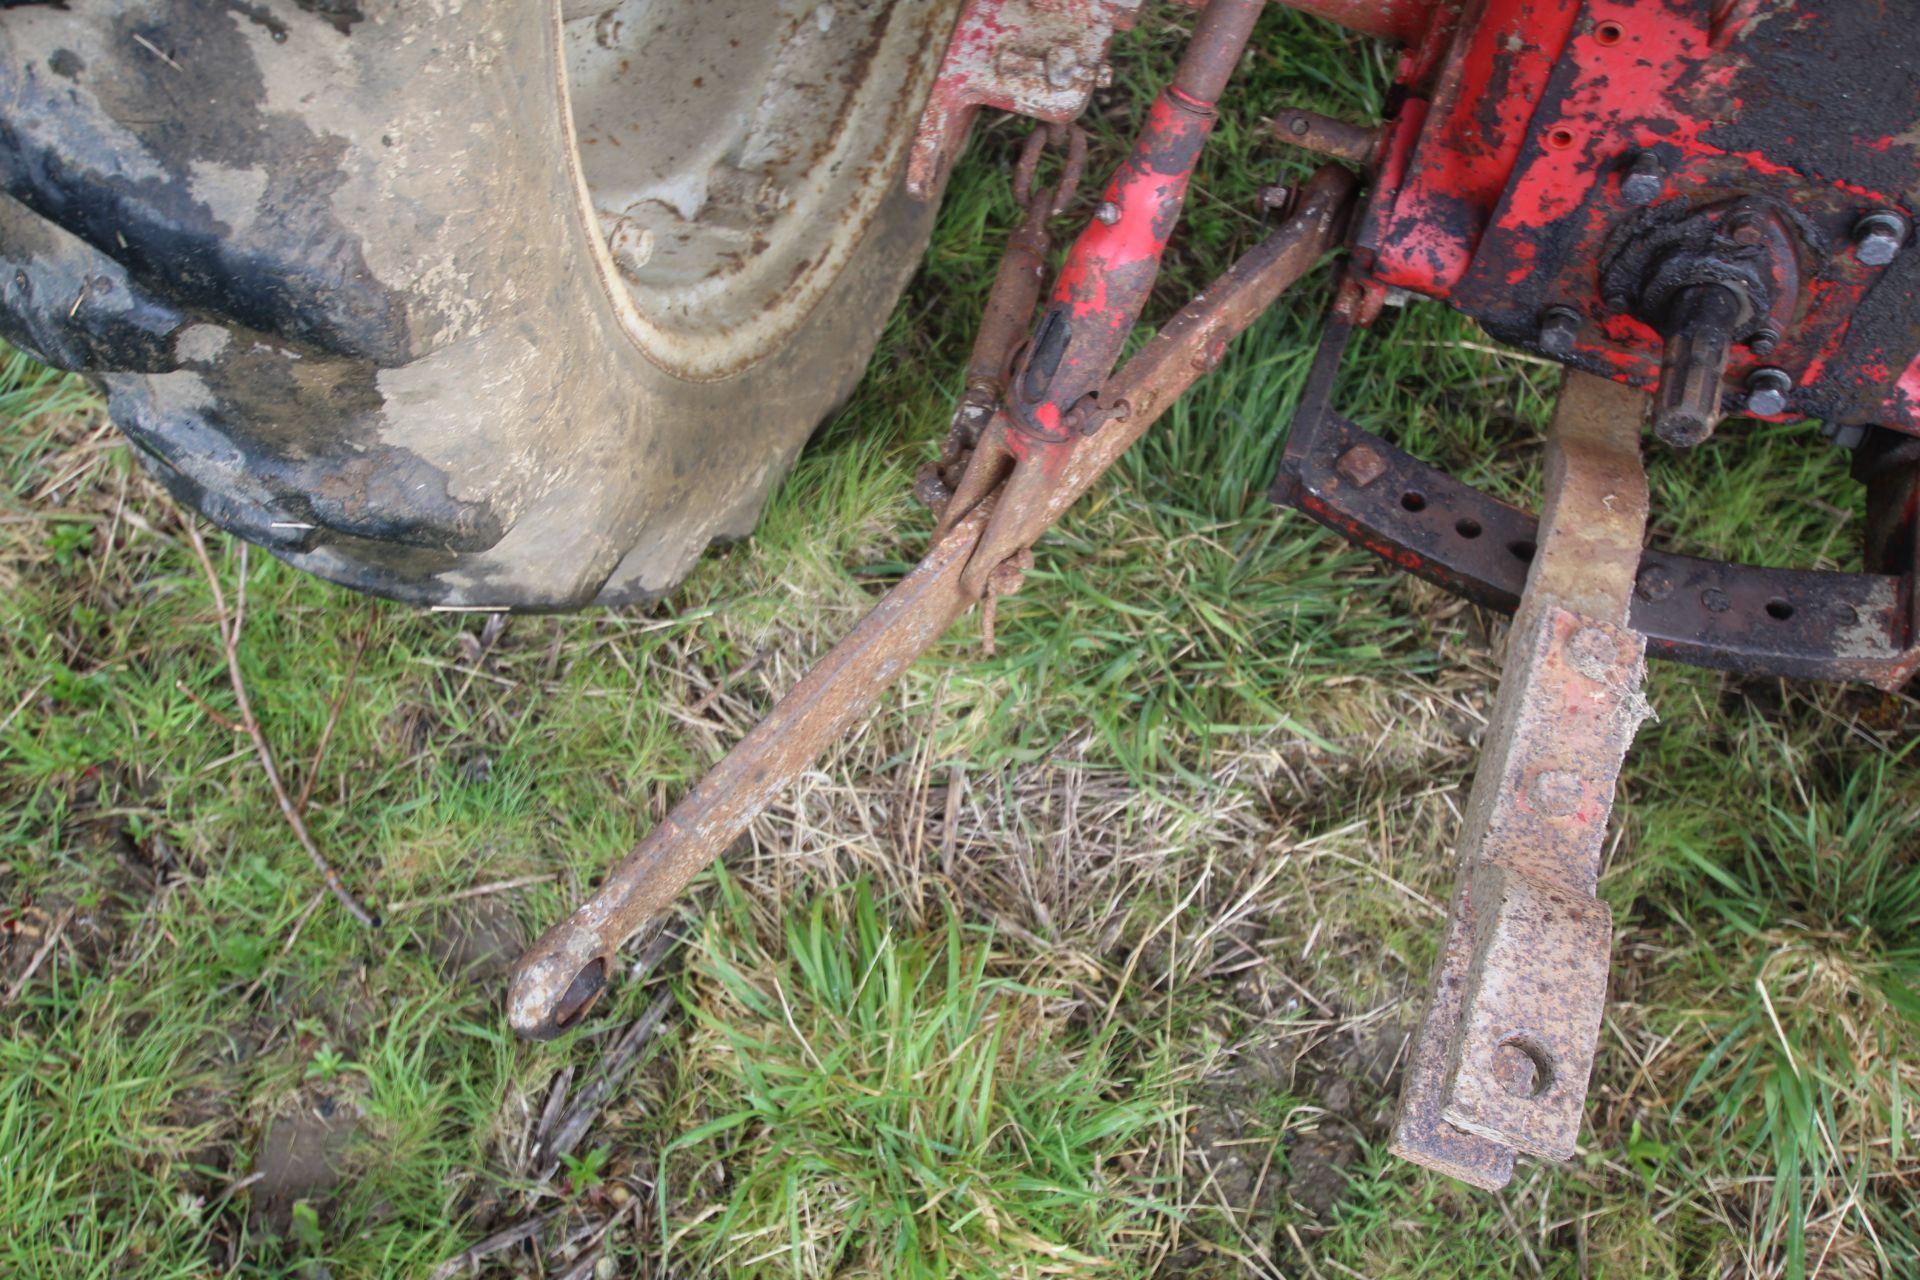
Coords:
1762,341
1108,213
1646,179
1654,582
1745,227
1556,792
1878,237
1361,465
1559,330
1767,392
1275,196
1593,653
1716,600
1298,126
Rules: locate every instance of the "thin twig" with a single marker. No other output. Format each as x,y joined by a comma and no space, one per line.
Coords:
229,628
47,945
732,678
495,1244
206,710
588,1260
477,891
21,705
154,49
333,718
573,1126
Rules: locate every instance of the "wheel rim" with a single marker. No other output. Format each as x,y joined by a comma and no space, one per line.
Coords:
731,155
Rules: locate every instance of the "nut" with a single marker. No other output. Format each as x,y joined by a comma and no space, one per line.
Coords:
1879,237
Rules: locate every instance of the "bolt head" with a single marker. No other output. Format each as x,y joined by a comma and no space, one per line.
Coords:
1745,227
1559,331
1654,582
1063,67
1879,237
1763,342
1108,213
1645,181
1361,465
1767,392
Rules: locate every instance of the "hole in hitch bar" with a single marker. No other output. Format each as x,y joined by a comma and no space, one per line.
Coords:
1522,1067
1467,527
1779,609
1522,550
1413,500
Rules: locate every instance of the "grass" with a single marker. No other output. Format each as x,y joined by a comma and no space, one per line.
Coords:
1094,957
933,1106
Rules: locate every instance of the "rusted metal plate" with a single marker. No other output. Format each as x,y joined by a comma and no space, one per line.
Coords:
1536,988
1803,623
1502,1056
1038,58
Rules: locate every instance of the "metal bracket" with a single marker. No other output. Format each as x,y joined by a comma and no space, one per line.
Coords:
1805,623
1039,58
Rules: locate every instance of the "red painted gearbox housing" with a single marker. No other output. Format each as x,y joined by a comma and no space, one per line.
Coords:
1514,124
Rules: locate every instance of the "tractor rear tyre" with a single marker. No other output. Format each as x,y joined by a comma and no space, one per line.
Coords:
492,305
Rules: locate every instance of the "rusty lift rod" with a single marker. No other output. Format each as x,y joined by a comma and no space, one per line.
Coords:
562,974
